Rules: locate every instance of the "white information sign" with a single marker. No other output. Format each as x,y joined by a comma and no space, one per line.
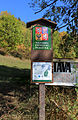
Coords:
42,72
65,73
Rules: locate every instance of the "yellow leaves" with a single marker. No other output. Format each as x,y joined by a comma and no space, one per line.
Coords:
63,34
22,46
23,30
5,13
29,48
4,43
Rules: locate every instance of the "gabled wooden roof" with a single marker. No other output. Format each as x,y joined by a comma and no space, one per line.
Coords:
42,21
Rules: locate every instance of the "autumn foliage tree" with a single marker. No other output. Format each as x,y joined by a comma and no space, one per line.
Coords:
14,37
63,46
56,43
11,31
66,46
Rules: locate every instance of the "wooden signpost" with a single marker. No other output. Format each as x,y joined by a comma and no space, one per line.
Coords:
41,57
44,69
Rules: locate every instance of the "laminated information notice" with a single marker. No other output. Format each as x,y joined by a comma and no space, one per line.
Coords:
42,72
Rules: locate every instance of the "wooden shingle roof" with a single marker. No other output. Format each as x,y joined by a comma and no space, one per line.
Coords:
42,21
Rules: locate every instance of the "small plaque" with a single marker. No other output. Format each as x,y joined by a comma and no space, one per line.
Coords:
41,72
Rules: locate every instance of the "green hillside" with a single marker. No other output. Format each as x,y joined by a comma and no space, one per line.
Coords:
15,39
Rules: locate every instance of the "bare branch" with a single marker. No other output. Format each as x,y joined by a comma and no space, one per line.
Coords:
65,24
74,4
46,7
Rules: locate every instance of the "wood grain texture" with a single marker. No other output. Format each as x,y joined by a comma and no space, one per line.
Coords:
41,55
41,101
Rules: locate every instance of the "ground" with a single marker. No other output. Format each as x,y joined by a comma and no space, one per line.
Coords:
19,98
15,89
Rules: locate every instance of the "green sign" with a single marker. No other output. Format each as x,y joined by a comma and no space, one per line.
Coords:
41,38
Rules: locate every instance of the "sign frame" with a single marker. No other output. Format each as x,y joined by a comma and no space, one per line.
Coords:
36,55
42,80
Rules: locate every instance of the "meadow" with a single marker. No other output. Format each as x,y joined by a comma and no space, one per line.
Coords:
15,103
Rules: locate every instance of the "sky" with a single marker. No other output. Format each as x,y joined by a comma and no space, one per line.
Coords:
20,8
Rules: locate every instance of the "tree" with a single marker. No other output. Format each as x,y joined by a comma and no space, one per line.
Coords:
11,33
66,48
58,10
62,45
56,43
15,38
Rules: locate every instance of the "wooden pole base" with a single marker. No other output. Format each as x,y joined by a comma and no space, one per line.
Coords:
42,101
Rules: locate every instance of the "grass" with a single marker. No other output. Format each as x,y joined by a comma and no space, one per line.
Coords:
15,89
19,98
14,62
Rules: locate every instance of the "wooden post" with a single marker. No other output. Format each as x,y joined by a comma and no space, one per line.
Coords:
42,101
